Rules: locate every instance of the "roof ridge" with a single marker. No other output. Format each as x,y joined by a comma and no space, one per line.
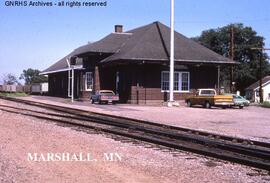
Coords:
162,39
137,28
139,41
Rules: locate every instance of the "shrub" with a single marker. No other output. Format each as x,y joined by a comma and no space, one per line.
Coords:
17,94
266,104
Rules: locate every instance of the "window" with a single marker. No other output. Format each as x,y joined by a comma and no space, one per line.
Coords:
82,77
165,80
185,81
257,93
176,81
88,81
181,81
208,92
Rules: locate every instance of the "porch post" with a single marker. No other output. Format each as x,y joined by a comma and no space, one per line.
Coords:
218,80
72,84
67,60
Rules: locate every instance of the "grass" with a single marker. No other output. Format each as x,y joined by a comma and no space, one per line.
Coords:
266,104
17,94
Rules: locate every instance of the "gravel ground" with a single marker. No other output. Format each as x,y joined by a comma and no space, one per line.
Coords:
140,162
251,122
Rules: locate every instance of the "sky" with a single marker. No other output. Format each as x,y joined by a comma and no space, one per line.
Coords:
36,37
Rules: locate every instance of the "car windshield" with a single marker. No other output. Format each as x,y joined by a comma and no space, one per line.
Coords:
237,97
107,93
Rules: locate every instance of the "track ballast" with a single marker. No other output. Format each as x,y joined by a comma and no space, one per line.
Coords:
247,152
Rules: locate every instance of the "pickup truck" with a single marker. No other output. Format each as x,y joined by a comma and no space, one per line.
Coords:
208,98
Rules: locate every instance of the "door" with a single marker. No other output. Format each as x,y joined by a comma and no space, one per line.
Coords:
123,86
117,82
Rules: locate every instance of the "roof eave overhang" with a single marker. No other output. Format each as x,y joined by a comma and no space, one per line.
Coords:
152,60
214,62
61,70
263,85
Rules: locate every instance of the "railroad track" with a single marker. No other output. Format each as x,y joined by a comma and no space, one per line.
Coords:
248,152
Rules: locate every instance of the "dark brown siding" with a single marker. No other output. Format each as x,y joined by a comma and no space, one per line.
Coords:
58,84
107,78
146,83
203,77
139,83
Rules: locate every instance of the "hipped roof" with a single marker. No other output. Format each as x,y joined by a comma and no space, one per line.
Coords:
147,43
152,42
109,44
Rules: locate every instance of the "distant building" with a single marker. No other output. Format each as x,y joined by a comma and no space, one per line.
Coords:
135,64
253,94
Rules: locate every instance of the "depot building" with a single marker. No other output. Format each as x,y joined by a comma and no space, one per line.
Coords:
135,65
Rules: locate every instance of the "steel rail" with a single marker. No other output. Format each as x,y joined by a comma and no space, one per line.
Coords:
95,115
163,132
244,154
165,141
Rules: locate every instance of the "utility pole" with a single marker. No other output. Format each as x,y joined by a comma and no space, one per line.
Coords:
260,70
232,57
171,99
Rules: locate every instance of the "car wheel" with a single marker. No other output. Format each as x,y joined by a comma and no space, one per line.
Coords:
189,103
241,107
92,101
207,105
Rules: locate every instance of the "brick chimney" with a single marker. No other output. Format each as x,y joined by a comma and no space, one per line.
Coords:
118,28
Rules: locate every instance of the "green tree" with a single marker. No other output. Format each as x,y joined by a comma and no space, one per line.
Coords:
32,76
10,79
245,38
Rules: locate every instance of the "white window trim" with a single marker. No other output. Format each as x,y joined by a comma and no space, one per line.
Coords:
85,84
179,82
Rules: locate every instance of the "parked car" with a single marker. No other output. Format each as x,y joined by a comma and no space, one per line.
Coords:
208,98
238,100
104,96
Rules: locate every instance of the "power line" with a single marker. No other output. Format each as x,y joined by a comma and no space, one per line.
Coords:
222,21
